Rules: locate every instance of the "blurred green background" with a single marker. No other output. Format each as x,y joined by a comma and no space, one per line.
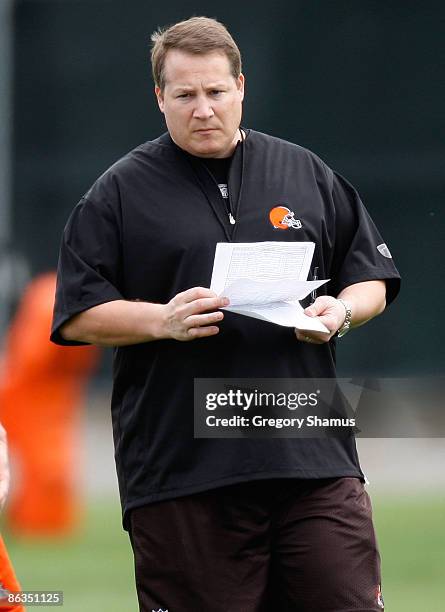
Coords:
359,83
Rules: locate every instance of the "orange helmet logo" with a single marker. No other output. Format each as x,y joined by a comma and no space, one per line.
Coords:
283,218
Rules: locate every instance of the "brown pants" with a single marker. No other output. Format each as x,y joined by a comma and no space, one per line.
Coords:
282,545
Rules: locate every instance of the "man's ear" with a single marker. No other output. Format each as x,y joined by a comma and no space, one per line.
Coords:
160,98
240,85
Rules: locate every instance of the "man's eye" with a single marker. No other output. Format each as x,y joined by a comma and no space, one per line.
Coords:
215,92
184,95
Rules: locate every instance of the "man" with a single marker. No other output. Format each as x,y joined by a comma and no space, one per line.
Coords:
244,525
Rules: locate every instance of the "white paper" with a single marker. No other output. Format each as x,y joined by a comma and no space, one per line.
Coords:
261,261
265,280
254,292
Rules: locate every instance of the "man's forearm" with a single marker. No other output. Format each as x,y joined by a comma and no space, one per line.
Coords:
367,300
117,323
191,314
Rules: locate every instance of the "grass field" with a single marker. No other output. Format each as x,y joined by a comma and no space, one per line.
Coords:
96,574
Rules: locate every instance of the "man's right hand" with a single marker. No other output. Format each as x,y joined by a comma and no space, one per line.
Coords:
191,314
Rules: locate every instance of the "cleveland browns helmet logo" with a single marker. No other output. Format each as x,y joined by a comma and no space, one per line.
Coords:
283,218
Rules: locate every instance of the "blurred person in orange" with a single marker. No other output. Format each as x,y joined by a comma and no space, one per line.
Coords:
8,580
41,389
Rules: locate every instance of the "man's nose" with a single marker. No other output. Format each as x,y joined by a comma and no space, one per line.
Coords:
203,108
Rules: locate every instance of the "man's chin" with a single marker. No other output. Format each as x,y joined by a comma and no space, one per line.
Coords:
211,148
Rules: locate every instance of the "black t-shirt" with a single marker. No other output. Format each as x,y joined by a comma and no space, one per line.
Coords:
219,169
147,230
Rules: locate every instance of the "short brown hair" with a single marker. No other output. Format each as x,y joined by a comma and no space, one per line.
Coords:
198,35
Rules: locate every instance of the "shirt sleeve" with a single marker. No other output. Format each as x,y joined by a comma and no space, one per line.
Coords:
360,252
89,269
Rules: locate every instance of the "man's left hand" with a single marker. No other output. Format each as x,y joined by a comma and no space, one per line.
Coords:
331,313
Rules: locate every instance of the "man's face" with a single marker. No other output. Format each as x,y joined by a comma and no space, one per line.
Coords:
202,102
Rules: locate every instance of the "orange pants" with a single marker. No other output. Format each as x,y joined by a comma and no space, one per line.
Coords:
8,581
41,389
